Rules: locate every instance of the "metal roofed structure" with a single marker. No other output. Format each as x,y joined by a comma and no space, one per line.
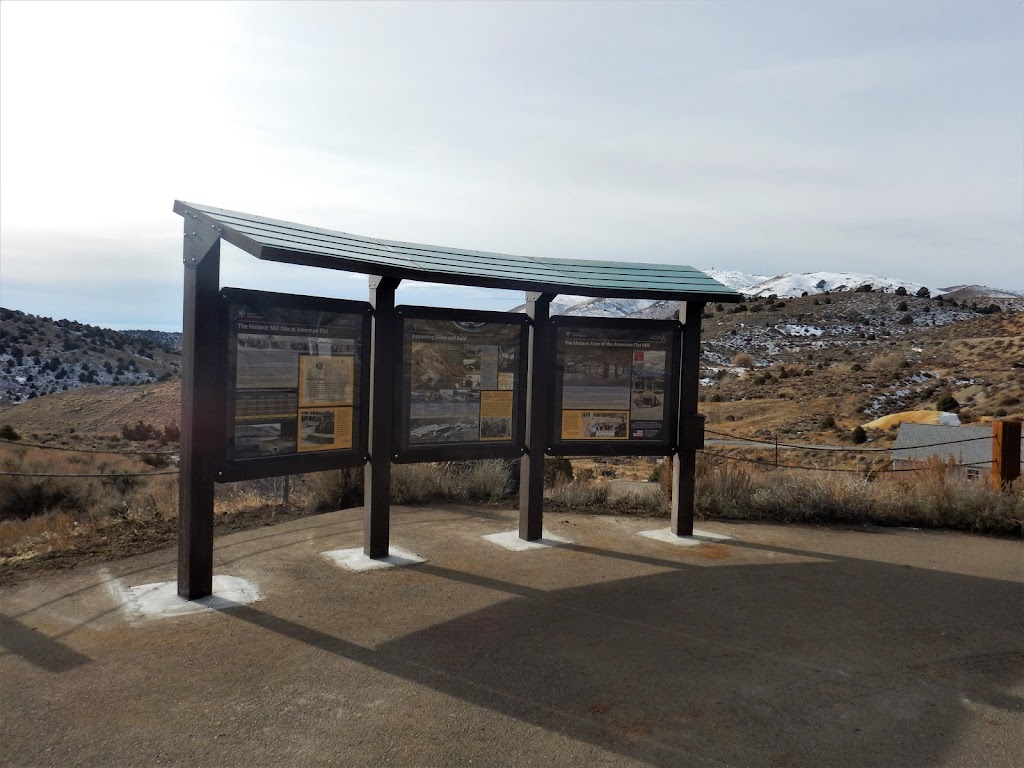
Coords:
283,241
300,412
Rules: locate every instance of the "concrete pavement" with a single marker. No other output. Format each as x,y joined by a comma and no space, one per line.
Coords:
785,646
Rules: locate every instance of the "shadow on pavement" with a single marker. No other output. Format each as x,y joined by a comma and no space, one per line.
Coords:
838,661
36,648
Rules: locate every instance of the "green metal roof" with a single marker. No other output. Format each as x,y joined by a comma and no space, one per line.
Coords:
275,240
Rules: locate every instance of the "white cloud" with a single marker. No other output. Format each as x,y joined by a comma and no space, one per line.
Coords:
767,139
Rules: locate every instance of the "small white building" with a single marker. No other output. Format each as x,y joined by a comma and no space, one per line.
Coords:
969,448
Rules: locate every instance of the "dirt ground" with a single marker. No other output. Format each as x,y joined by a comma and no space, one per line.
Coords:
785,646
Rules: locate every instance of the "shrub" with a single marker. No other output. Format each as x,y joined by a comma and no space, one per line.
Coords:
858,435
557,471
905,320
947,403
416,484
934,496
334,489
923,293
84,498
140,431
7,432
743,360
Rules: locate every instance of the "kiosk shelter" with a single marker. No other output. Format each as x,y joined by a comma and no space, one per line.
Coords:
276,384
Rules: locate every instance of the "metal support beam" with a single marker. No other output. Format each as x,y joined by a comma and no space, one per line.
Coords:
691,423
531,466
202,407
1005,452
377,471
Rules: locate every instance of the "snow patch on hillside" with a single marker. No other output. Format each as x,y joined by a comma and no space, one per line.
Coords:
791,284
799,330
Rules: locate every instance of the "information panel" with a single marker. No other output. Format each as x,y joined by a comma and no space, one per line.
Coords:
461,379
614,383
295,375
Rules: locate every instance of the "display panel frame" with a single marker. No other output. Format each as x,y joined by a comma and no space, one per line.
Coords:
665,445
403,451
309,457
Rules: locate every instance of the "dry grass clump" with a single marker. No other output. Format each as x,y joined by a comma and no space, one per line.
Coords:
933,497
580,493
889,362
334,489
44,514
595,495
451,481
458,481
28,496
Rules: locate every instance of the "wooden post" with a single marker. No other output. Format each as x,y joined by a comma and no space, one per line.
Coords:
531,466
691,423
202,408
377,471
1005,452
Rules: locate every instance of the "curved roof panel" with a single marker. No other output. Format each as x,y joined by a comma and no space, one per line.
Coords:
284,241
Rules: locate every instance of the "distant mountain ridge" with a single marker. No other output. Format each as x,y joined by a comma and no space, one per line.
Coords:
41,356
785,286
792,284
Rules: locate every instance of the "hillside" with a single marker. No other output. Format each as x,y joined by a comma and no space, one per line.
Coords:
791,367
768,367
41,356
96,410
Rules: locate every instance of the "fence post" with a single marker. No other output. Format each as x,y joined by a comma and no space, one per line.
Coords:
1005,452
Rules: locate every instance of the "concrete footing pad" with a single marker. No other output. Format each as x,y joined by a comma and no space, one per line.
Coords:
356,559
161,600
510,540
699,537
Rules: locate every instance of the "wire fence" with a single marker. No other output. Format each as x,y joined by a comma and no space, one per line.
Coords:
109,451
89,474
832,449
839,448
105,452
860,471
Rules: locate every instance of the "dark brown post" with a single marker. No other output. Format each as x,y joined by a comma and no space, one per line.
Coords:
1005,452
531,466
691,424
377,471
201,408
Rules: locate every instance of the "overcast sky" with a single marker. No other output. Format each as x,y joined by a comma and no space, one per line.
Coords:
878,137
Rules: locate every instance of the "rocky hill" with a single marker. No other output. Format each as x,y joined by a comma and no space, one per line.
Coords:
41,356
768,365
847,357
844,357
